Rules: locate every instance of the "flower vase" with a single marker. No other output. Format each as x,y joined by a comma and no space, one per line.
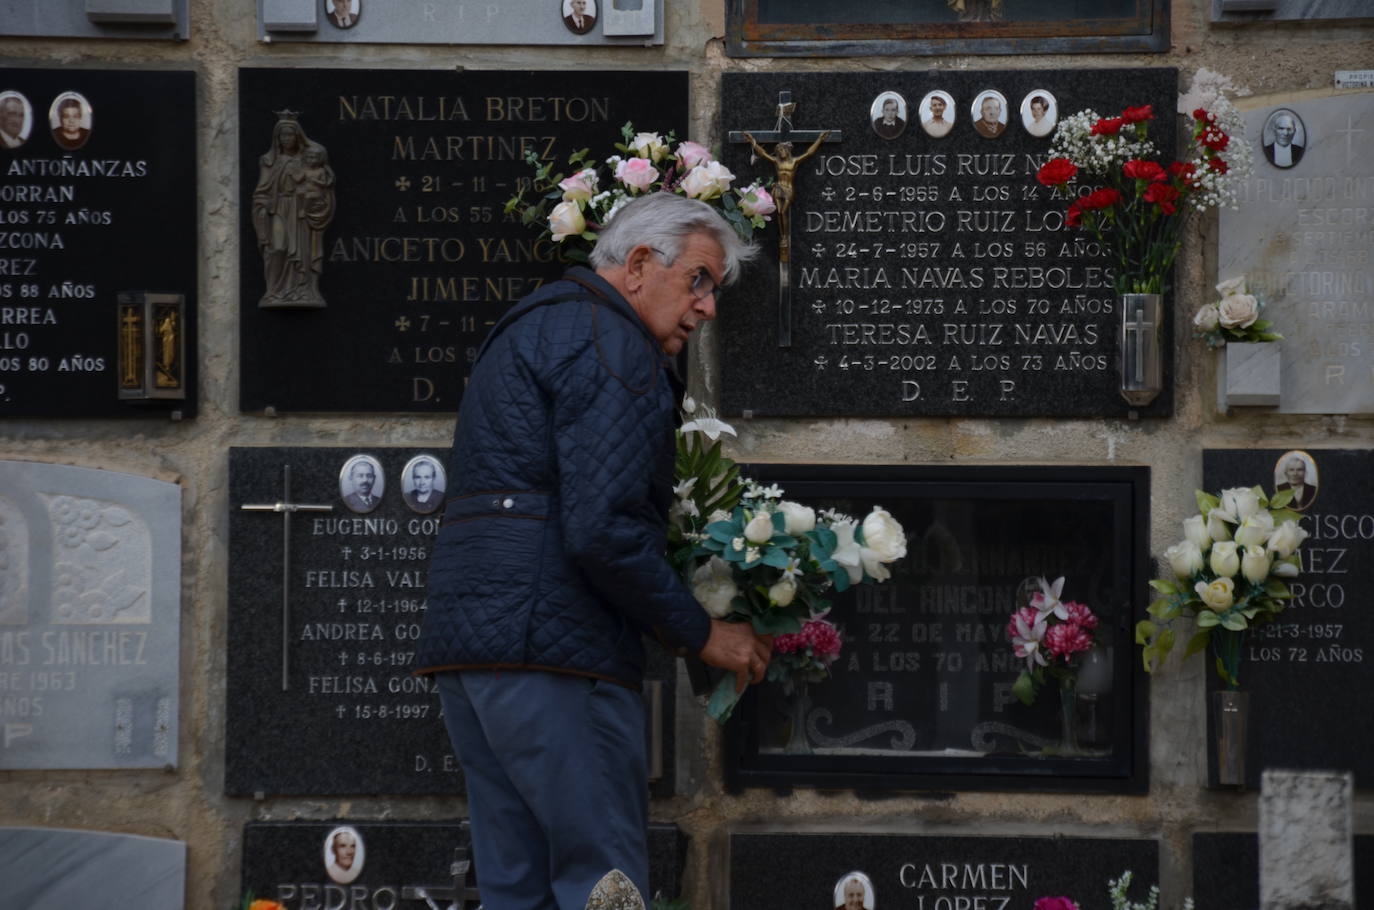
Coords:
1230,715
1141,357
1250,374
798,705
1068,717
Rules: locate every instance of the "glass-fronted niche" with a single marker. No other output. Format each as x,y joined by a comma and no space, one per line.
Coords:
923,694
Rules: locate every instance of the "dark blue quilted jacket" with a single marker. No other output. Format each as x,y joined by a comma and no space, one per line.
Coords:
550,554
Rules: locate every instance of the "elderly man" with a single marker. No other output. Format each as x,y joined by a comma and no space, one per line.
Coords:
579,20
549,565
1295,474
990,124
12,121
363,476
1284,152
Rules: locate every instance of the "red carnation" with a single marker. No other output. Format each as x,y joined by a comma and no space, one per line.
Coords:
1218,164
1202,116
1102,198
1056,172
1143,170
1137,114
1160,192
1215,140
1107,127
1075,215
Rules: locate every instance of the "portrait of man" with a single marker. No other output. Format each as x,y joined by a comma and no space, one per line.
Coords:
70,119
1039,113
937,114
361,483
16,120
888,112
1284,138
989,114
1297,471
343,855
854,891
422,484
342,13
579,15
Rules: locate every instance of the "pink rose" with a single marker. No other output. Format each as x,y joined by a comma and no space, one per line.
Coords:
636,173
692,153
580,186
755,201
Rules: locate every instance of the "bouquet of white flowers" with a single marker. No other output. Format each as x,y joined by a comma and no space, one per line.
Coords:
1235,317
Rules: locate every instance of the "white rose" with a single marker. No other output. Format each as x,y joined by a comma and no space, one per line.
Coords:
566,220
1255,565
800,518
1195,530
649,145
1217,527
1238,311
1287,538
1239,503
689,405
883,535
847,550
782,591
714,588
1285,570
1219,595
1232,286
1255,529
759,529
1184,558
873,565
707,181
1225,559
1207,318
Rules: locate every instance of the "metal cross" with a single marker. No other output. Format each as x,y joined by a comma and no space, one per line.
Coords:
783,191
1136,331
286,507
458,894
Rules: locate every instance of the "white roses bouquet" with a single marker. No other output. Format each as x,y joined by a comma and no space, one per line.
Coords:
1229,573
1235,317
751,556
573,209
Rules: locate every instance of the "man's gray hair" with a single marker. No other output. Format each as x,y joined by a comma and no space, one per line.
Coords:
663,222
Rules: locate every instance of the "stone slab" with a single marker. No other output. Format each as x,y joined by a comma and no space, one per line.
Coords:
1226,868
932,871
168,20
357,598
1303,238
418,260
1308,673
90,618
111,213
1249,375
1305,840
55,867
288,861
929,275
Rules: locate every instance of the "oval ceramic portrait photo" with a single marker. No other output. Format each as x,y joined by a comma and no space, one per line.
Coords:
989,113
854,891
1283,139
343,854
423,483
70,118
579,16
1296,471
361,483
937,113
342,13
888,113
1039,112
16,119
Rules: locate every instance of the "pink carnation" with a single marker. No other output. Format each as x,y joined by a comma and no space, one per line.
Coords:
1066,639
1080,615
817,634
1055,903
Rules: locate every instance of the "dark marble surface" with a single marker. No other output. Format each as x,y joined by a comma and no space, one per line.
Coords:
934,871
1310,672
1002,293
357,601
1226,869
286,860
115,215
399,328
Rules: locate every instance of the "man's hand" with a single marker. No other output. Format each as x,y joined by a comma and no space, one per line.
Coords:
733,646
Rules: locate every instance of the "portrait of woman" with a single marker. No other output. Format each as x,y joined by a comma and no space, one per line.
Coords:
293,203
343,854
854,891
1039,113
70,118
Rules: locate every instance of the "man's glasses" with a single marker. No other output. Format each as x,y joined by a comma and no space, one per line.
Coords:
703,285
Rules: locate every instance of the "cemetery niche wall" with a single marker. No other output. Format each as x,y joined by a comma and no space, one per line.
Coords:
921,696
929,272
375,254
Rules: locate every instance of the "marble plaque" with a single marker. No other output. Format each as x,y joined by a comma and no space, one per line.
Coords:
55,867
932,871
1303,236
90,618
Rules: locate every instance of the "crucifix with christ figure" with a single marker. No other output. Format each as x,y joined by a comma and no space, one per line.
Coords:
784,191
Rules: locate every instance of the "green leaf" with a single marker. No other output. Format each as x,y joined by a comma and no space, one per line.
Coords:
1280,499
775,622
1226,677
1024,688
1206,502
776,557
1233,621
1164,587
1197,643
1144,631
723,699
1206,619
825,537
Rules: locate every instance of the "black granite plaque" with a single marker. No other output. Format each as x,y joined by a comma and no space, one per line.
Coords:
95,209
370,276
334,668
1226,869
921,696
1309,672
933,872
392,862
928,275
